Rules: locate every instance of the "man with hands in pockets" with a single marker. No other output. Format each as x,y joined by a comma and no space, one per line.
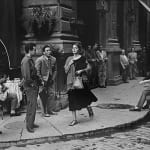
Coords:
46,70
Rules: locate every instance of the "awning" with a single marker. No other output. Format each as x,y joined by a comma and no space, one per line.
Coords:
144,5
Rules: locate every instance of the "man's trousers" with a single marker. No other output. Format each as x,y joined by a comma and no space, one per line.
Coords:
31,94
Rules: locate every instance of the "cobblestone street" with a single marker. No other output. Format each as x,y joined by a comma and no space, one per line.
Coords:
75,75
134,139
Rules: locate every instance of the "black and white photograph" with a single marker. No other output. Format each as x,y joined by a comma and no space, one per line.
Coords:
74,74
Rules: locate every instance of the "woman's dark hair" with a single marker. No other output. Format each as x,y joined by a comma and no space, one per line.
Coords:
29,46
79,46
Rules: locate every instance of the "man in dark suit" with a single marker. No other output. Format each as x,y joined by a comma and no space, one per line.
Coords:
46,70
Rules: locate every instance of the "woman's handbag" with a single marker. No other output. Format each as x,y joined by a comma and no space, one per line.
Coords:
77,83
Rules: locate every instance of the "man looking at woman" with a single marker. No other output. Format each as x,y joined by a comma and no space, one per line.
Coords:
46,70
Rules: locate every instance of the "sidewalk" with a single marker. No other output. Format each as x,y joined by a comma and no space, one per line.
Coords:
111,113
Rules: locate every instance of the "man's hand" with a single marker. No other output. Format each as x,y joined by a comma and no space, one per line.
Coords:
79,72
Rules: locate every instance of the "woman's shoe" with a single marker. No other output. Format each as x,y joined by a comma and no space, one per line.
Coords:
46,115
30,130
52,113
90,111
135,109
15,114
74,122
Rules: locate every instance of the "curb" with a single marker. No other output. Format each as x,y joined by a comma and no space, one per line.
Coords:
88,134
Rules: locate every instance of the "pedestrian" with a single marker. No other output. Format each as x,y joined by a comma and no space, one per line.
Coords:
132,56
8,98
30,84
93,75
124,66
144,103
143,99
46,70
88,51
102,66
76,66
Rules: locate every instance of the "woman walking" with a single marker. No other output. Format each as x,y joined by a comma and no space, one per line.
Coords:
77,66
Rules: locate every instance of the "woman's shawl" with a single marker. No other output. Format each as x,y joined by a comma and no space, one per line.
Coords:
70,71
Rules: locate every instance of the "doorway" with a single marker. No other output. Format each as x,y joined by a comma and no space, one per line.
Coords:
86,12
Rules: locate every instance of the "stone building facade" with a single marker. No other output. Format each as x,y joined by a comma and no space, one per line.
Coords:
116,24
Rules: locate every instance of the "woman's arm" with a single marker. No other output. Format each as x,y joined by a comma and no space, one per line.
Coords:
88,68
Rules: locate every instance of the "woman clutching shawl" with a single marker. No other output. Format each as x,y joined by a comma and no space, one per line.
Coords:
76,67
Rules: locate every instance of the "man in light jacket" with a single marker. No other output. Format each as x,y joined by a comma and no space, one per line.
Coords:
46,70
124,66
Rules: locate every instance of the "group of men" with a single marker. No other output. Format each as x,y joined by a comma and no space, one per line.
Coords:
97,58
38,78
129,68
128,65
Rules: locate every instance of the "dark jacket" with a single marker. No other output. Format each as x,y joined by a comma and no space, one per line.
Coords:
29,73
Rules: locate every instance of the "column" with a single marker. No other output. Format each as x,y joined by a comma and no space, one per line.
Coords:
135,17
148,39
112,46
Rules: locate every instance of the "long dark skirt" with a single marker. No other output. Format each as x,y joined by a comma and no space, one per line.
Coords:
80,98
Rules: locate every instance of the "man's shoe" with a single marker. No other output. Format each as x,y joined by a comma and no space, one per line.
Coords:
102,86
46,115
35,126
135,109
15,114
145,107
30,130
74,122
52,113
